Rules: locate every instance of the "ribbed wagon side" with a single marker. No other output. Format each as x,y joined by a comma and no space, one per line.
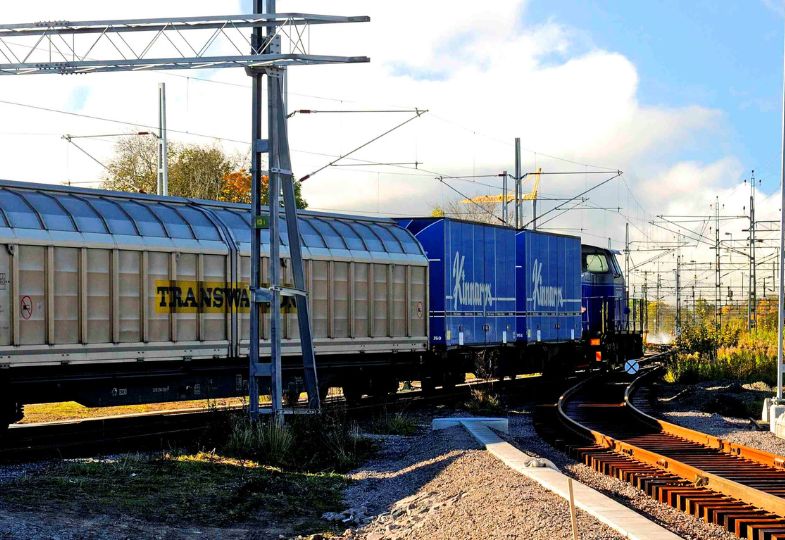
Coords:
548,301
110,298
472,294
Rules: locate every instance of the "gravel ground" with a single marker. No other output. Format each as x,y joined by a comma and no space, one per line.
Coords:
681,410
525,437
11,472
441,485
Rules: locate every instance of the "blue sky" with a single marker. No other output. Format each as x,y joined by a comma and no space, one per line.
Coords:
726,55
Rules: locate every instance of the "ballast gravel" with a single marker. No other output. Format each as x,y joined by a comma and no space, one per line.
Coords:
680,410
526,438
441,485
731,429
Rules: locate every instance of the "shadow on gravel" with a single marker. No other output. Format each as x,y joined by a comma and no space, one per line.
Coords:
403,467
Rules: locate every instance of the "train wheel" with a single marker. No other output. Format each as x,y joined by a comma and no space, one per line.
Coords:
384,388
428,386
10,412
353,392
324,389
452,378
291,397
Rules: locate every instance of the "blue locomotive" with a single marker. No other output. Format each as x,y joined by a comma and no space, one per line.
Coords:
611,331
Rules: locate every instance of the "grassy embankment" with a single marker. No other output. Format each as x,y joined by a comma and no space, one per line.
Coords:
259,474
742,362
740,355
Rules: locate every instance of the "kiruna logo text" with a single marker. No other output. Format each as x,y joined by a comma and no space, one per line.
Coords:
468,293
544,295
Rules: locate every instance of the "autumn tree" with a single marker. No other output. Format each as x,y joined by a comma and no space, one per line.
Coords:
196,171
237,188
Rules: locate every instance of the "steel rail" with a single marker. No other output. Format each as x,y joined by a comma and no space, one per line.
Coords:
727,447
698,477
87,436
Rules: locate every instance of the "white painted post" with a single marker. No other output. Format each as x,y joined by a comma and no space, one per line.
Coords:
777,408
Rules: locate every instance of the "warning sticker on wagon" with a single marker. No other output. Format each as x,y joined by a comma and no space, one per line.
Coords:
201,297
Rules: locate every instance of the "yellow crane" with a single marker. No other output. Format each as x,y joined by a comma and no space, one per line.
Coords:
508,198
533,195
500,198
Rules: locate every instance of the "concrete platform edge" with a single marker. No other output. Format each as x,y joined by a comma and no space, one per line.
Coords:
615,515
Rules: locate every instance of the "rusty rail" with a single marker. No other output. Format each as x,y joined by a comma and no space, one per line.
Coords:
727,447
736,486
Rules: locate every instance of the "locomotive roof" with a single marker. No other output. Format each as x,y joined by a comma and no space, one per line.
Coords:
66,210
600,249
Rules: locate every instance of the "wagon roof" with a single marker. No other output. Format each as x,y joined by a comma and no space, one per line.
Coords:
33,206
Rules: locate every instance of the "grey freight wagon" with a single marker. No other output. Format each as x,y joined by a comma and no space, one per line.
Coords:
115,298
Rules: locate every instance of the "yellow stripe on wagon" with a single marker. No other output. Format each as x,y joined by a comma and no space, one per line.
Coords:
183,296
180,296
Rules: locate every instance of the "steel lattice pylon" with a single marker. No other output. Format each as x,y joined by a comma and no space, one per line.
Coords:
216,41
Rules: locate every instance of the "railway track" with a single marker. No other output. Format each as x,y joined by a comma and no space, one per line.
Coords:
165,429
605,423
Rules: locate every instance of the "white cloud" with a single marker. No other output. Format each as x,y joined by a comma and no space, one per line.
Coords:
485,72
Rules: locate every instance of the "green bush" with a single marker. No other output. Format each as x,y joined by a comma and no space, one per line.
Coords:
750,363
699,335
484,402
261,439
324,441
394,424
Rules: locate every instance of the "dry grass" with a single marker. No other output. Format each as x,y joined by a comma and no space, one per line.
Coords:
398,423
484,401
70,410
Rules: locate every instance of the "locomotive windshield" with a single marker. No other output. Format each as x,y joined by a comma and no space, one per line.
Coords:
596,263
616,267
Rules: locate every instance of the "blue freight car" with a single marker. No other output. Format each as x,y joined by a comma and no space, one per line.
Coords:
471,281
471,296
549,288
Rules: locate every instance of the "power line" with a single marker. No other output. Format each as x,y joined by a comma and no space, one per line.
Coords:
418,113
456,190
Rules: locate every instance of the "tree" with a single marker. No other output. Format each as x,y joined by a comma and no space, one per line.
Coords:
194,170
135,165
237,188
203,172
480,212
198,171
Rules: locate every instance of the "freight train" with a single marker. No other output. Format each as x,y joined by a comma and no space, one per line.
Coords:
111,298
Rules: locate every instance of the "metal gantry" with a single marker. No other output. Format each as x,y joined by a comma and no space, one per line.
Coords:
215,41
275,41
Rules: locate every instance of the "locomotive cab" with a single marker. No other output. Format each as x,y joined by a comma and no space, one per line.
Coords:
609,334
